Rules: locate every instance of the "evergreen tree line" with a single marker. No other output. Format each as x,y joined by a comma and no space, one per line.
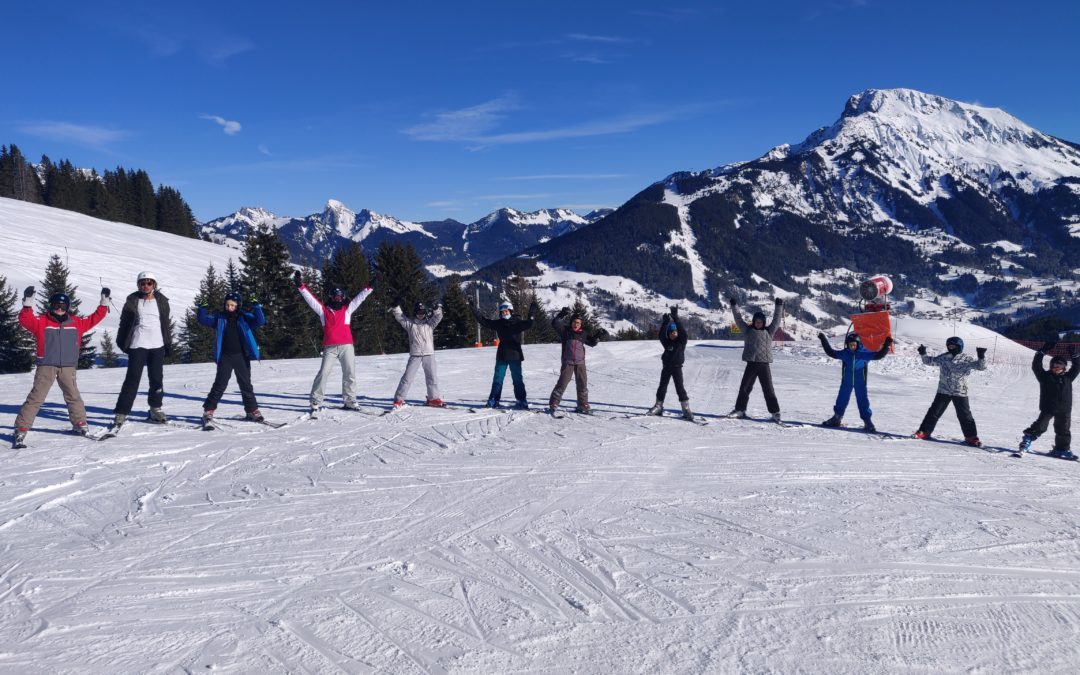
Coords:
123,195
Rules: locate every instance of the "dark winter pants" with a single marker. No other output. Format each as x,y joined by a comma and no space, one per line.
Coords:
757,371
228,364
581,379
671,372
1062,433
44,377
500,375
858,383
963,413
151,359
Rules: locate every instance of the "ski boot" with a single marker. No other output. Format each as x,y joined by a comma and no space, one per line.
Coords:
208,420
80,429
435,403
737,414
398,404
973,441
833,422
1062,453
921,435
583,409
494,403
775,417
869,427
256,416
687,415
521,405
118,421
348,405
657,409
157,416
1025,443
20,439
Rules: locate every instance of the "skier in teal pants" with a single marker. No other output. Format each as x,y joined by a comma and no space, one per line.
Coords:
855,359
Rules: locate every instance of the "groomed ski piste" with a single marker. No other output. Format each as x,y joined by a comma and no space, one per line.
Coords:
502,541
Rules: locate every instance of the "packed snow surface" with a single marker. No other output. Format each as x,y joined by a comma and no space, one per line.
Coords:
496,541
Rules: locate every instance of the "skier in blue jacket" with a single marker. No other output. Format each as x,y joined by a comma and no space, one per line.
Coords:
234,347
855,359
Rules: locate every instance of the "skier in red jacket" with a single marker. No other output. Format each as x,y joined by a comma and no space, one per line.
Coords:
58,335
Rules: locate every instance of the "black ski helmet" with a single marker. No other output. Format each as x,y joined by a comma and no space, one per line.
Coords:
235,297
419,308
1059,360
336,293
954,342
59,299
852,337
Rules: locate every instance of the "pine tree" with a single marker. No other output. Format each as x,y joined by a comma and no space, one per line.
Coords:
176,354
292,329
16,343
144,200
56,281
172,213
458,326
233,282
197,340
109,357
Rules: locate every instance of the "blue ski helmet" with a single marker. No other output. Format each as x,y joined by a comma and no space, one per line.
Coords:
672,327
235,297
954,342
59,299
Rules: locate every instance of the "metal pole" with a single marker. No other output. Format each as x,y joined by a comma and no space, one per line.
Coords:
479,343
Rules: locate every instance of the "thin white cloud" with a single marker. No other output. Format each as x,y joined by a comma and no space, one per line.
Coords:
445,204
475,125
83,134
264,149
566,176
217,53
466,123
605,39
231,127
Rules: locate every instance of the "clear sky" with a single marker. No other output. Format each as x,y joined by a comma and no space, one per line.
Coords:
431,110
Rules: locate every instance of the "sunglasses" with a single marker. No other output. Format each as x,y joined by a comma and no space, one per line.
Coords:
146,282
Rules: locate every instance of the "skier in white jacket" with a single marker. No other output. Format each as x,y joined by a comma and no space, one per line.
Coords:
421,330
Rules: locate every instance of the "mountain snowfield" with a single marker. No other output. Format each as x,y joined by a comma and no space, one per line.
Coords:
471,540
102,253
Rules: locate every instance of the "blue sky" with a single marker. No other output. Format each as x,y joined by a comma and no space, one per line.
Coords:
430,110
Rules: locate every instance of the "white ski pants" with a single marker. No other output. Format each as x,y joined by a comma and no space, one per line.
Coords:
346,356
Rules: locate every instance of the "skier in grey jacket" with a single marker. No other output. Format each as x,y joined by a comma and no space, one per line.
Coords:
952,388
757,352
420,328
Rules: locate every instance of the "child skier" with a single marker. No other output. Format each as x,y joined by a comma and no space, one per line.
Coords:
673,338
58,335
1055,401
509,354
335,316
574,340
757,352
234,348
420,328
853,374
952,388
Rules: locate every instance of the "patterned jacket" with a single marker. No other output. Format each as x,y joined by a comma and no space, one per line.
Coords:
757,344
954,371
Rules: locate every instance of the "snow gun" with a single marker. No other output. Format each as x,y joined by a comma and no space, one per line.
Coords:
874,324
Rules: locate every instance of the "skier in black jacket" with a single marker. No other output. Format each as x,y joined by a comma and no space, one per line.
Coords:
509,355
673,337
1055,400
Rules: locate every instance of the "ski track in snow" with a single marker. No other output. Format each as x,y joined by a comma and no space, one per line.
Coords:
434,541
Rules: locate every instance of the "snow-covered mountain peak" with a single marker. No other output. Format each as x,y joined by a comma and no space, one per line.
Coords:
339,217
368,221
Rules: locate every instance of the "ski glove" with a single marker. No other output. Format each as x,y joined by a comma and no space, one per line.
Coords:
28,296
1048,346
824,340
922,350
297,280
778,301
105,293
733,302
563,313
674,313
253,300
888,341
980,352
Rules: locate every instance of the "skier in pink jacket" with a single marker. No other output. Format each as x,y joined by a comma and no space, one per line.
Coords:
335,316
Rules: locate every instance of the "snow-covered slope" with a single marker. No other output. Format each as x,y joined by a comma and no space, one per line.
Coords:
445,246
457,541
967,208
102,253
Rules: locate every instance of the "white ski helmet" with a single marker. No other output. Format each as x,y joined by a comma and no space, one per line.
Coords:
505,306
146,275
